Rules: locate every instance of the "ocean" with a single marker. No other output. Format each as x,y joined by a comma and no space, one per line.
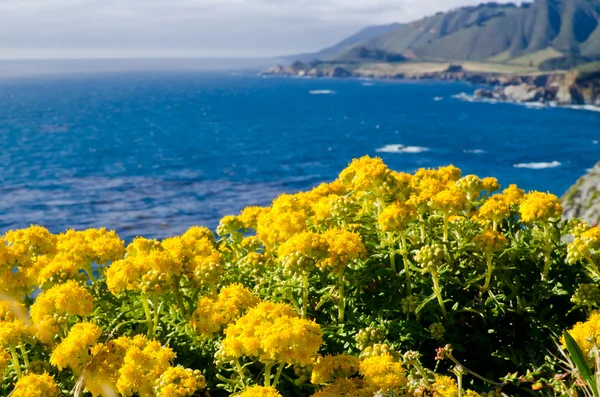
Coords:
152,153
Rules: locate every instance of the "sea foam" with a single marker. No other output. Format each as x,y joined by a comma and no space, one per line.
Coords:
321,92
397,148
538,166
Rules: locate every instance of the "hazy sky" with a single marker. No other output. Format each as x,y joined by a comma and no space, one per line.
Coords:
205,28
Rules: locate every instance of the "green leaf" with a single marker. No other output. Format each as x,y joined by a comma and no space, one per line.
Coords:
580,362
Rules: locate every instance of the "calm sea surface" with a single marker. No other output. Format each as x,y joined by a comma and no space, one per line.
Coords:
154,153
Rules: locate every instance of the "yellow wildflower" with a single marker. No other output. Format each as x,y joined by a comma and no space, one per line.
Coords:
449,201
365,174
490,241
513,195
328,368
490,184
495,209
259,391
249,216
179,382
287,217
229,224
302,252
383,372
540,207
143,363
102,372
212,315
273,333
586,334
346,387
70,299
74,350
445,386
4,359
33,385
344,247
396,216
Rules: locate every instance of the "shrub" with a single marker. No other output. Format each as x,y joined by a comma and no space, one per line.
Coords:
353,285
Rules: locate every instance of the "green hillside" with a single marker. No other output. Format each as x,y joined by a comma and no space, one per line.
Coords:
505,33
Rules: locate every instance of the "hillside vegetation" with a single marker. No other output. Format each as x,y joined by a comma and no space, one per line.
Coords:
506,33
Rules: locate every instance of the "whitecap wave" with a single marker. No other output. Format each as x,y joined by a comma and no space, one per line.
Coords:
397,148
321,92
474,151
538,166
438,98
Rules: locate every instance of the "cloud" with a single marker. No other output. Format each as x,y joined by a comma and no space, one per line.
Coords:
259,27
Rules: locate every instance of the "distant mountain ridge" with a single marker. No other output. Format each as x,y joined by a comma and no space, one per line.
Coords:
505,33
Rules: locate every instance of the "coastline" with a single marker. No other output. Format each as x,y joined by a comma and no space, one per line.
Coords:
561,89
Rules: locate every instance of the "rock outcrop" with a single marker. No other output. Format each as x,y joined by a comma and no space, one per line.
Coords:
582,200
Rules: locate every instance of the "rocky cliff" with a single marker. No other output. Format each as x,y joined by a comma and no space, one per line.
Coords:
572,88
583,199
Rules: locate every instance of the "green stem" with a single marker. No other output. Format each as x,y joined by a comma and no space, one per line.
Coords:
89,272
304,294
446,217
342,297
178,298
488,276
240,371
438,292
421,372
393,259
404,249
148,316
278,375
547,251
25,356
156,308
422,227
475,374
15,361
593,268
268,375
460,382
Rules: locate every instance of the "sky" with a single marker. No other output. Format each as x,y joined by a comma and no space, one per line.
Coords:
54,29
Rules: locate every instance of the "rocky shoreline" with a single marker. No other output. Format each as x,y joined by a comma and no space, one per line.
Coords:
556,89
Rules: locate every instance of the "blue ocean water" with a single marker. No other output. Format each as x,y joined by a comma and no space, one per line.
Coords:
154,153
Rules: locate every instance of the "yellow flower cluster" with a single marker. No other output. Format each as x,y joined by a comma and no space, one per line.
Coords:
153,267
287,217
490,241
445,386
179,382
396,216
214,314
540,207
259,391
33,385
328,368
587,334
344,247
133,366
4,359
302,251
13,323
273,333
74,351
346,387
383,373
51,306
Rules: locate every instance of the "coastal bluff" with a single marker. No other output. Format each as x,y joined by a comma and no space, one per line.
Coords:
582,200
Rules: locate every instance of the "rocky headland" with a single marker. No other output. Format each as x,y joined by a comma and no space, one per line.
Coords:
575,87
582,200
